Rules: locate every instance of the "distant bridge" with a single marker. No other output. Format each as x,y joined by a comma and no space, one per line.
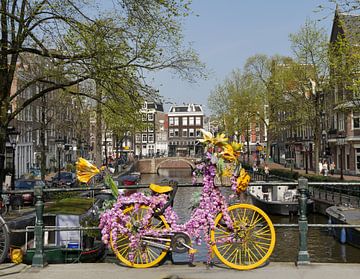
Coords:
153,165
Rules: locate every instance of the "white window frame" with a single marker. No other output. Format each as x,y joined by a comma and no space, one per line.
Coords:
176,121
151,138
184,121
191,133
171,121
171,133
184,133
341,121
356,115
198,121
176,132
150,117
191,121
144,138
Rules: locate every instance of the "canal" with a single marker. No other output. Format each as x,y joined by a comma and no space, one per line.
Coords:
322,246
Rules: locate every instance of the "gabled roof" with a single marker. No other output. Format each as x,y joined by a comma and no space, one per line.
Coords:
347,25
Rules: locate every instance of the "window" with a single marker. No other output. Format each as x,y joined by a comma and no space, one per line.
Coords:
341,122
184,121
184,133
151,128
356,120
191,133
144,138
171,121
198,134
191,121
198,120
171,133
144,117
151,117
138,138
176,132
151,138
176,121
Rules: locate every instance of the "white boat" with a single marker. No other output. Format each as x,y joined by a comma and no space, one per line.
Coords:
277,200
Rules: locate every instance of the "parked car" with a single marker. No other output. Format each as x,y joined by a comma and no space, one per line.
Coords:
17,200
67,179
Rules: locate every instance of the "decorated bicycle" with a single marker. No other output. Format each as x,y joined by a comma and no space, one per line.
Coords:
141,229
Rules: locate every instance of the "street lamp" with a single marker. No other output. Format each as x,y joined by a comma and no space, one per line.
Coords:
340,141
59,144
306,145
13,135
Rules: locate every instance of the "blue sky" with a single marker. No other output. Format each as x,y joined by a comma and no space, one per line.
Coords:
227,32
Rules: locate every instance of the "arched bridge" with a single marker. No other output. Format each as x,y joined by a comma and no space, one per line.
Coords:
154,164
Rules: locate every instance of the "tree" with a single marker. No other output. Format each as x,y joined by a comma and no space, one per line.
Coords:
310,47
127,40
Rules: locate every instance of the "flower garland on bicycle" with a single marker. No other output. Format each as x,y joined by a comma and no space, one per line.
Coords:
220,160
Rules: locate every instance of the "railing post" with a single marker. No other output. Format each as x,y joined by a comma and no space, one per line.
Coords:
303,255
39,258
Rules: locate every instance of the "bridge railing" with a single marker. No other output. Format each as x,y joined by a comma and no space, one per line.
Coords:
39,259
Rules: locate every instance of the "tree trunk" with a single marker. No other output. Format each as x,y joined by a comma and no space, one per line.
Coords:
98,134
2,155
42,137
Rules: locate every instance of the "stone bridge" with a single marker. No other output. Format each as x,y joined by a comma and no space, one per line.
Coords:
152,165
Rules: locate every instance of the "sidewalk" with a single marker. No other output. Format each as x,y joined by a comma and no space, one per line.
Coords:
168,271
273,165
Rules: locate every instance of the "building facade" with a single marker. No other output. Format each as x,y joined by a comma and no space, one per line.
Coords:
184,124
146,144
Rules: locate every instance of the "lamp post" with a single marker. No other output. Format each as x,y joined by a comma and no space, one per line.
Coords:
13,135
306,157
59,144
340,141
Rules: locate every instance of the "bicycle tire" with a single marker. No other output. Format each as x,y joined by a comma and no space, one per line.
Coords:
249,243
4,240
153,256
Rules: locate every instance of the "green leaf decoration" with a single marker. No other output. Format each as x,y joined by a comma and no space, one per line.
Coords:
110,182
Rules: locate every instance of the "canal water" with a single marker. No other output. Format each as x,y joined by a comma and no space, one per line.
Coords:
322,246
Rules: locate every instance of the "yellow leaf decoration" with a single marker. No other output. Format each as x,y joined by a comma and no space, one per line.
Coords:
242,181
220,140
85,170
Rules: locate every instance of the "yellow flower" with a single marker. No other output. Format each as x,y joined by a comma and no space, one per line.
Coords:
220,140
229,154
236,146
207,137
242,181
85,170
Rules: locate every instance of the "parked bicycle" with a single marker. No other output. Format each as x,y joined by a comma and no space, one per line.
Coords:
4,240
141,229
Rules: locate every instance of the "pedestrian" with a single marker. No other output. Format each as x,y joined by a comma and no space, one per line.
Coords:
332,168
255,168
267,172
325,168
320,167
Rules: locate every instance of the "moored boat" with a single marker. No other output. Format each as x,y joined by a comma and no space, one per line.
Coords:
277,200
345,215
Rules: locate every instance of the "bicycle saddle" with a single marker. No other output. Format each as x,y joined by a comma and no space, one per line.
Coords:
160,189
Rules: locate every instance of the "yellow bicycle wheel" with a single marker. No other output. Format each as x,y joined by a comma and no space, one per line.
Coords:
249,243
146,255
